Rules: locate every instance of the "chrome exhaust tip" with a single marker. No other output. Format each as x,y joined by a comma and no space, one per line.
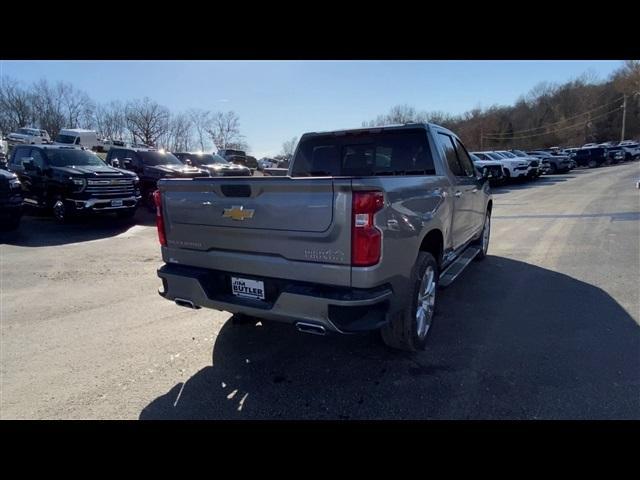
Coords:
311,328
181,302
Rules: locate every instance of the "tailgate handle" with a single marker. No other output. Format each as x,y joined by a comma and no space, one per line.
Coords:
236,190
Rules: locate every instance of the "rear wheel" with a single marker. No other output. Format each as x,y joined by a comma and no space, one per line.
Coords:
408,329
483,242
553,169
592,164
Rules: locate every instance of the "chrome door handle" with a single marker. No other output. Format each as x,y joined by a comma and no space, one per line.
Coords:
475,190
458,194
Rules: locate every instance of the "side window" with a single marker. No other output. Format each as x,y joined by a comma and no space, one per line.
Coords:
465,160
136,161
111,154
38,158
448,150
18,154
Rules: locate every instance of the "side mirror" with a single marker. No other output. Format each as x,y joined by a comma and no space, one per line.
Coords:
28,164
127,164
484,175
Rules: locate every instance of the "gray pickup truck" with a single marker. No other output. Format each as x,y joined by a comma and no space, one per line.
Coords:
357,237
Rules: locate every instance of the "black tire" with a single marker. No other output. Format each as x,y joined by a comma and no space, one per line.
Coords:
402,330
126,214
592,164
11,225
243,319
553,169
484,247
149,202
507,175
60,211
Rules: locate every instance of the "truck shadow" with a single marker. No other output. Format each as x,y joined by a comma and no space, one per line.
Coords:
527,184
40,230
511,341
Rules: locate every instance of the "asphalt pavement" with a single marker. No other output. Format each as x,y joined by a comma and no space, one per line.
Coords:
547,327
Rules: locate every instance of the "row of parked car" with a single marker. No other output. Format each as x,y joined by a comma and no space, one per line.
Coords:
71,180
508,165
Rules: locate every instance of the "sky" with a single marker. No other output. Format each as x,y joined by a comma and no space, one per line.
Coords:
277,100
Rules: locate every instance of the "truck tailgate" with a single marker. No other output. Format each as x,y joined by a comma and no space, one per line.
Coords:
268,225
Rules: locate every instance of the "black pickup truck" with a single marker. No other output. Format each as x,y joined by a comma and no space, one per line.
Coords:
10,200
239,157
71,181
150,165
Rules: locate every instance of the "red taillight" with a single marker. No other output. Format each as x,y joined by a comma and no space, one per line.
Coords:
366,239
162,237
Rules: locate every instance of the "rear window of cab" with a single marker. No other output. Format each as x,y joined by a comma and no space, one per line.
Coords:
399,152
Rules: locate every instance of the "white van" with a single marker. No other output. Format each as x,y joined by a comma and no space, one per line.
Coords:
79,136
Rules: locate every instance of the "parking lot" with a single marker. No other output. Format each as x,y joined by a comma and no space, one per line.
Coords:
545,328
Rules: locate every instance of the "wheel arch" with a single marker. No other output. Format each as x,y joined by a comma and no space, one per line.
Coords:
433,242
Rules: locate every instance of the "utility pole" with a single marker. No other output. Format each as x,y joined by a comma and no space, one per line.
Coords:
481,140
624,116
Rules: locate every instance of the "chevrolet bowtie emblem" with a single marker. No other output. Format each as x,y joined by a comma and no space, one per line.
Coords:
237,213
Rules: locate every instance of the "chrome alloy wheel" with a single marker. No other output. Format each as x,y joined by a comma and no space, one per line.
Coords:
59,210
485,234
426,301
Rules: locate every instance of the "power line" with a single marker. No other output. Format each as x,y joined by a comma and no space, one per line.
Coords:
582,124
565,120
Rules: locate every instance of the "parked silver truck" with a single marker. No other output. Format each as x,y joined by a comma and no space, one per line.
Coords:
357,237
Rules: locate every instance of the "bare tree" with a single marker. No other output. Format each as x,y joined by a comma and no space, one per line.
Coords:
239,145
147,120
77,105
16,105
225,130
48,108
398,114
110,120
179,135
289,147
202,123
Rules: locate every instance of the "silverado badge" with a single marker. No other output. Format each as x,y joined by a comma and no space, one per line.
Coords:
237,212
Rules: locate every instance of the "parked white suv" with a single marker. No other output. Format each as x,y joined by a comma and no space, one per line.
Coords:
631,147
512,167
31,136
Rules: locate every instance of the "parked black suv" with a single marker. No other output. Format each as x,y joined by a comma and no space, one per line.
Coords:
557,163
10,200
239,157
591,157
212,163
151,165
618,154
71,180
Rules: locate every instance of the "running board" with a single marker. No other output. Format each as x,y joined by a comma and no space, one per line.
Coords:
456,268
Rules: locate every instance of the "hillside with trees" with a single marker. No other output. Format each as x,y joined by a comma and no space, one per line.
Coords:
570,114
